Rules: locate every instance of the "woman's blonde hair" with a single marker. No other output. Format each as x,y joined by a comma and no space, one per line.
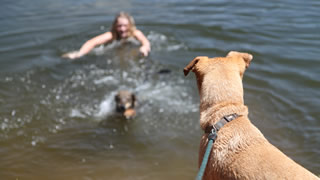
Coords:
132,26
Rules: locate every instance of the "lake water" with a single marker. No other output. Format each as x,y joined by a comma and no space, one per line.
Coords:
57,117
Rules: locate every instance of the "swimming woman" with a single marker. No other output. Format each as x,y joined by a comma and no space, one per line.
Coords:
123,27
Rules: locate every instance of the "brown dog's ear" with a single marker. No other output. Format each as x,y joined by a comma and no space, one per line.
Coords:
133,103
245,56
190,66
116,98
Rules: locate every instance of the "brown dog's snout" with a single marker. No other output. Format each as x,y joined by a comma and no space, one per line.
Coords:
129,113
120,108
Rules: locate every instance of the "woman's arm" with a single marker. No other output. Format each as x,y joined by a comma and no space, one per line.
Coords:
89,45
145,44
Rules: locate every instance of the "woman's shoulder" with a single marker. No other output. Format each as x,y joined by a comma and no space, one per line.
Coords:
138,33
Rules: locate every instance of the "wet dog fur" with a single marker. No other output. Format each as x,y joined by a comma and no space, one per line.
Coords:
125,103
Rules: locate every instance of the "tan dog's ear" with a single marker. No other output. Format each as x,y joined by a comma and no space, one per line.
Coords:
245,56
190,66
187,69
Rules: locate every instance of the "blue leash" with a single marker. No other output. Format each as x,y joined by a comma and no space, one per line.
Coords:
212,130
211,137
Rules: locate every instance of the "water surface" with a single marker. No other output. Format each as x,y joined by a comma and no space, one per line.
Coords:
57,117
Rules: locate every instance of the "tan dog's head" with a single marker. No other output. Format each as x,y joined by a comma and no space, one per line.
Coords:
242,59
220,78
220,84
125,103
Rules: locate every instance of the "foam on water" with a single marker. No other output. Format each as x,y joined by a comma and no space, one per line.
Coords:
106,107
161,42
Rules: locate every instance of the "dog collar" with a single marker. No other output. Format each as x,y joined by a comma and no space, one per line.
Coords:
224,120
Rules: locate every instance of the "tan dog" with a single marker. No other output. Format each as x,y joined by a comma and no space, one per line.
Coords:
240,150
125,103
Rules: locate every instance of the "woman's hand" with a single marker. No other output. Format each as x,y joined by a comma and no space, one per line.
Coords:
72,55
145,44
144,50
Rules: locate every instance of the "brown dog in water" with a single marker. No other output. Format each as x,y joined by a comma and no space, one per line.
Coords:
125,103
240,150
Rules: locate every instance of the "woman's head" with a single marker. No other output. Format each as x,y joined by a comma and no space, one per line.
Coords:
123,26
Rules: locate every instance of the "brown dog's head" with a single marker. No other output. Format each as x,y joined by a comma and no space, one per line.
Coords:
125,103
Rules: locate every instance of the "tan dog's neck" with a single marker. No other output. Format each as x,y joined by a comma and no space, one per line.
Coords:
212,115
217,101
